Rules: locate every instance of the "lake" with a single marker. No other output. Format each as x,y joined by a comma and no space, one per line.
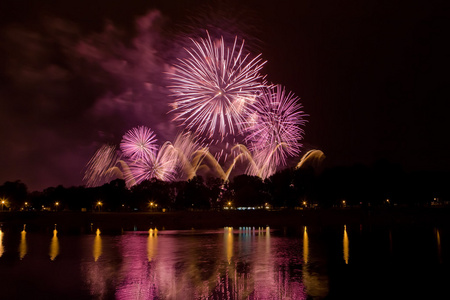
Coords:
303,262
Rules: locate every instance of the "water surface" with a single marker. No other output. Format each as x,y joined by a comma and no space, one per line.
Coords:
334,262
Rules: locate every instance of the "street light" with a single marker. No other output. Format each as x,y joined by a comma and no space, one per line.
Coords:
152,205
3,203
56,205
99,205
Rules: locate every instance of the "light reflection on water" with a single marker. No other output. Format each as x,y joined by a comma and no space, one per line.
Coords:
438,244
97,247
1,243
230,263
23,243
54,245
345,245
184,263
227,264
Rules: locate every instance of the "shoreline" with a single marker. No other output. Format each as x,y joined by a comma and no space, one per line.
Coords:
128,221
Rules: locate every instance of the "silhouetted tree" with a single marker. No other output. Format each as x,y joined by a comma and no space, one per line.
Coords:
248,191
14,192
281,188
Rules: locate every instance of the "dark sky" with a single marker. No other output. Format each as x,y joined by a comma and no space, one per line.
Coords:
372,75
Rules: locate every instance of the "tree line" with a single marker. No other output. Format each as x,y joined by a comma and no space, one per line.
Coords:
382,184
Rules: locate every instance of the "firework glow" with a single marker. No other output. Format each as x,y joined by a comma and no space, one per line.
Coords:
99,166
139,144
214,86
162,167
219,95
274,129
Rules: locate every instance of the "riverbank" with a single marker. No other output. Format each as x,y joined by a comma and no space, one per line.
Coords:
76,221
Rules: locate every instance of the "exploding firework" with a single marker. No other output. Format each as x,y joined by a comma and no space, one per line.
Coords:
162,167
274,129
222,101
214,87
189,154
139,143
99,166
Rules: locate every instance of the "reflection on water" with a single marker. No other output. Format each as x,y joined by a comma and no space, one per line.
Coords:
390,242
315,281
54,245
152,243
97,273
1,243
229,243
23,243
345,245
97,248
229,263
438,244
305,247
189,264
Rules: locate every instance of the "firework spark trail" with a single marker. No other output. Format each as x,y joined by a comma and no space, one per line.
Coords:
214,87
122,171
186,150
139,143
162,167
219,94
274,128
99,166
314,156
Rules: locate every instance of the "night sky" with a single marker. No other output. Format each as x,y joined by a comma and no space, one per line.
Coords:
372,75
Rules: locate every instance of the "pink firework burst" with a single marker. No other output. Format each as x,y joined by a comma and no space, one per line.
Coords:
139,143
214,87
275,128
162,167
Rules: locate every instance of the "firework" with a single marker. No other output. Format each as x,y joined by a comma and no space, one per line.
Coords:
274,129
139,144
162,167
189,154
99,167
214,87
